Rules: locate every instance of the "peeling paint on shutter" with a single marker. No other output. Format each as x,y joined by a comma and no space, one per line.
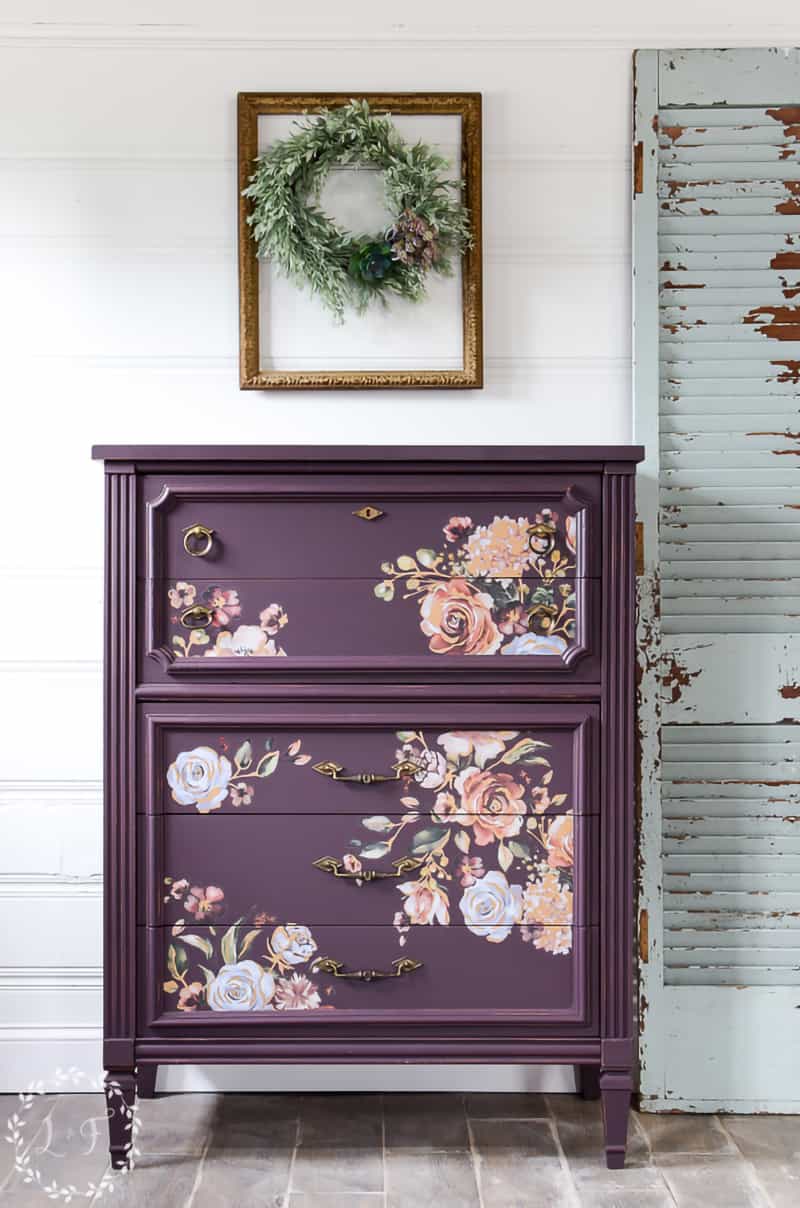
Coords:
720,600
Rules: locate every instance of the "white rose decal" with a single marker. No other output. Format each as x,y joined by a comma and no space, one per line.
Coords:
491,906
241,987
292,945
200,778
535,643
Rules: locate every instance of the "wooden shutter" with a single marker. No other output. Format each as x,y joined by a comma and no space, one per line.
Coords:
717,351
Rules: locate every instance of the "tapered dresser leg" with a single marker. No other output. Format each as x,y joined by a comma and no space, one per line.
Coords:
587,1081
120,1089
615,1091
146,1081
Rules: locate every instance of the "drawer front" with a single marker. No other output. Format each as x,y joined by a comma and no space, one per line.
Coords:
221,869
209,628
315,526
442,572
450,765
284,970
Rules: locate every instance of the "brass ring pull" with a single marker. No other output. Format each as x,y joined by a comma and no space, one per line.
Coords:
336,868
198,532
541,538
400,968
196,617
335,771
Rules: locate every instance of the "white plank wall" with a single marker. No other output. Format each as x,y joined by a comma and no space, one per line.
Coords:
118,310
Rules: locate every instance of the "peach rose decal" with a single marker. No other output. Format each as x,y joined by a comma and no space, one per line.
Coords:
458,620
560,842
492,804
492,588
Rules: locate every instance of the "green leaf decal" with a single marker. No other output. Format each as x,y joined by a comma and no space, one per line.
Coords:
244,756
428,839
375,851
268,764
378,822
520,850
199,941
524,749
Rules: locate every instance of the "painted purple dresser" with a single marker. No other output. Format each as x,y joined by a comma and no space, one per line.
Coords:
369,760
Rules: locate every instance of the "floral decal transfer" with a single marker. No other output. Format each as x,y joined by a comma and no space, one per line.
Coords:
250,967
231,640
485,794
492,588
205,778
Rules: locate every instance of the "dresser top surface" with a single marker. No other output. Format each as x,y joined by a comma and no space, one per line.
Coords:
410,455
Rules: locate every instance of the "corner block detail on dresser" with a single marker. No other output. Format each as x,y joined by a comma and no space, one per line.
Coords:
369,760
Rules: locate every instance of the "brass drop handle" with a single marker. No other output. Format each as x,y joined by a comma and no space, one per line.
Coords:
197,617
198,533
336,868
335,771
541,537
400,968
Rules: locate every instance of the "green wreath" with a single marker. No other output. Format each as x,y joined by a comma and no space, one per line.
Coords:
290,228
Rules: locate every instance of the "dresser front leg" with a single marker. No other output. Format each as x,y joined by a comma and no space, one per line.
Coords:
120,1087
146,1081
615,1092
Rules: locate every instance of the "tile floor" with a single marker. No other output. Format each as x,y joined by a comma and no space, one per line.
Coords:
404,1151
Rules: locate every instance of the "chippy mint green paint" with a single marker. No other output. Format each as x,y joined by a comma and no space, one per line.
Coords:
717,375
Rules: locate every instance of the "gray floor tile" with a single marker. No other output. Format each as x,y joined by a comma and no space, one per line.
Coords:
245,1122
505,1107
626,1197
354,1120
177,1124
774,1137
673,1134
700,1180
416,1179
366,1200
341,1168
519,1164
427,1120
158,1181
248,1178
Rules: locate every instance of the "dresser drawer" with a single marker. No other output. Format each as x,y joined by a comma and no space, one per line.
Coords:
264,975
414,763
207,628
220,869
446,569
330,527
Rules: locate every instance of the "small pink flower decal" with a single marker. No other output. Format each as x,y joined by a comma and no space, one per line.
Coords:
179,888
456,528
224,605
241,794
189,996
425,904
272,619
296,993
351,863
470,870
204,903
182,595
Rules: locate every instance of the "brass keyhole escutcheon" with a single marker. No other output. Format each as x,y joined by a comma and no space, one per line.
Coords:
197,540
368,512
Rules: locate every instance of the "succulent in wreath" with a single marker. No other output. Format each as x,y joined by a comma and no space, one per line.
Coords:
371,262
413,240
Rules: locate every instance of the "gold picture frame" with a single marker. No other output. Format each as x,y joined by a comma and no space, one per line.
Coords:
466,106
